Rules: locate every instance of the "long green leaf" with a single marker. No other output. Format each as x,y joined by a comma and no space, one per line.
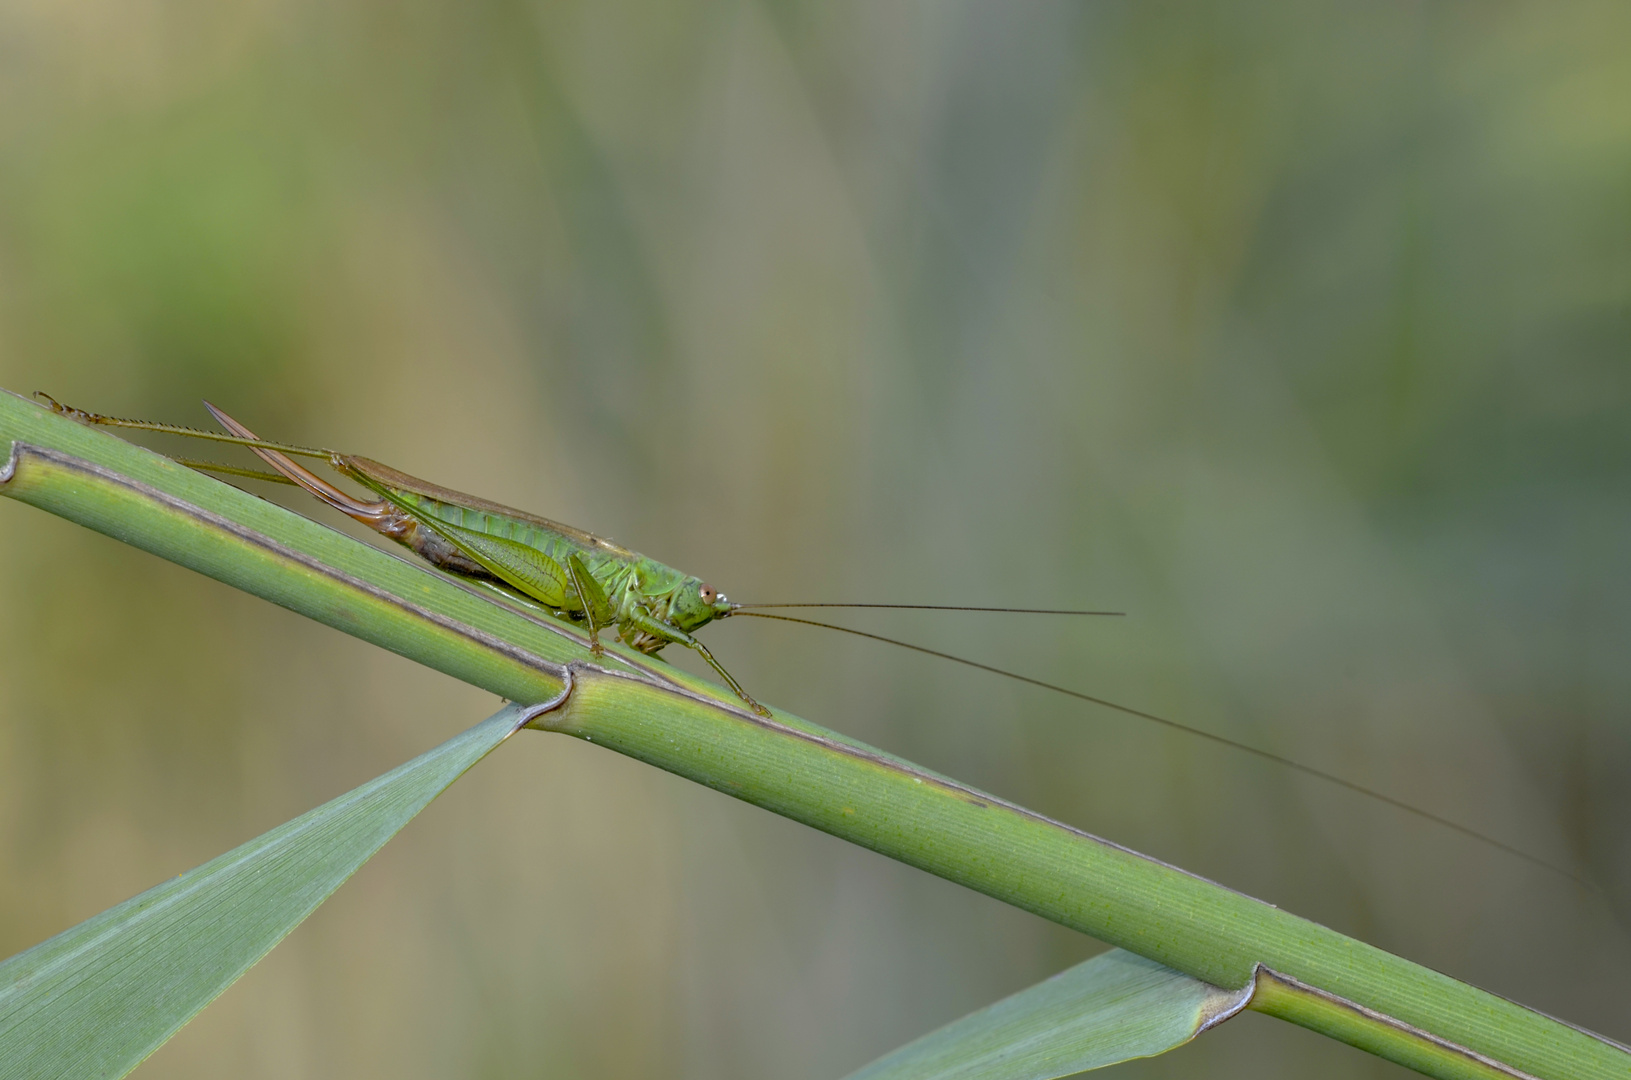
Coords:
1112,1008
98,998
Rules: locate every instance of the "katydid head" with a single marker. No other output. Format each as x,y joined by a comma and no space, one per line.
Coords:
696,603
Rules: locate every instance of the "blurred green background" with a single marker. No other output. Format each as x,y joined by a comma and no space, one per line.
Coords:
1299,332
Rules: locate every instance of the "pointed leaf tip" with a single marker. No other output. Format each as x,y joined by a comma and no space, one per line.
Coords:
1112,1008
100,997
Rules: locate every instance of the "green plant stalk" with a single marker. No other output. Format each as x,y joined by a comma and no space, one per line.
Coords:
787,765
1070,877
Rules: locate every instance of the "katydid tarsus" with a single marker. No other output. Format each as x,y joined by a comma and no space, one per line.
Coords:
593,581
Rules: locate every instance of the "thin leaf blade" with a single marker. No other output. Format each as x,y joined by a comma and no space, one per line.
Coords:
100,997
1112,1008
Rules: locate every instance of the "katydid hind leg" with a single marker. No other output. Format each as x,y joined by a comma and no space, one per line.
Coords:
252,441
371,514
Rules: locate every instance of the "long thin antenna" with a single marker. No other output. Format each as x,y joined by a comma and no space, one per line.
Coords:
941,607
1265,755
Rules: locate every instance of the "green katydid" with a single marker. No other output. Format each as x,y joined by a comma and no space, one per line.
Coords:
594,581
575,574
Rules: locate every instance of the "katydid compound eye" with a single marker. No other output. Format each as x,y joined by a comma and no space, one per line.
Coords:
709,594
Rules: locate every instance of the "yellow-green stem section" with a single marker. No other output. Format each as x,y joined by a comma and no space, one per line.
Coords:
1278,995
787,765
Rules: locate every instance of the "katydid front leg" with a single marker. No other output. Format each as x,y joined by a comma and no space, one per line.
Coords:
657,628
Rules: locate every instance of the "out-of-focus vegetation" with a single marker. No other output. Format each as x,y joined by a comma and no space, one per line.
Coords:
1299,333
